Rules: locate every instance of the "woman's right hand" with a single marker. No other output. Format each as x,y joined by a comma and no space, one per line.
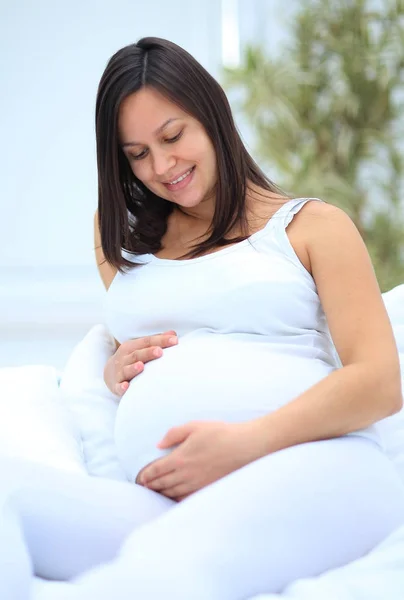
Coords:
131,356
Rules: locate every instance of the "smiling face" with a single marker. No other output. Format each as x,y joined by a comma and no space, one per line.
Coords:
167,149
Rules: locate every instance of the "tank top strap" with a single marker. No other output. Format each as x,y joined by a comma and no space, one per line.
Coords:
284,215
275,237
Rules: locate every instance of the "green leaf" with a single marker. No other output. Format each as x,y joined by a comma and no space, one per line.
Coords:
328,116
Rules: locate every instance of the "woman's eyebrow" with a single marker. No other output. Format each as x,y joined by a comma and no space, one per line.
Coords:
158,130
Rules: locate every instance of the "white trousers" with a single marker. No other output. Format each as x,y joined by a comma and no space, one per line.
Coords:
292,514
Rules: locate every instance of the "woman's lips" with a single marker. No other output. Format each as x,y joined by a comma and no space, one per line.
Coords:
181,184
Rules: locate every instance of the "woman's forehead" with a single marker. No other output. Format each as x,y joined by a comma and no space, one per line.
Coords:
144,115
147,111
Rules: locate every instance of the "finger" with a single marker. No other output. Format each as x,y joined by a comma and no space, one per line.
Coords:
141,355
139,479
181,498
122,387
179,491
171,480
129,356
144,355
162,340
159,468
176,435
128,372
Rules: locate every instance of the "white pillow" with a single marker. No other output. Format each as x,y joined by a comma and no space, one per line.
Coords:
34,422
394,303
392,428
92,404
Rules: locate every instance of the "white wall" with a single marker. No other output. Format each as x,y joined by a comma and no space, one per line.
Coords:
52,56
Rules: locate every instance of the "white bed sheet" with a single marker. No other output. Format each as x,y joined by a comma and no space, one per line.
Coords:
377,576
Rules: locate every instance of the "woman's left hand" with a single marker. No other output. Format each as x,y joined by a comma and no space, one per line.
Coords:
207,451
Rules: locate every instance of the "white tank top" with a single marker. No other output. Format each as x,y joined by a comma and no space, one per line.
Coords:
252,336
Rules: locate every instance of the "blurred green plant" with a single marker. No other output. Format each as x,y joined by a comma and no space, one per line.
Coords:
328,116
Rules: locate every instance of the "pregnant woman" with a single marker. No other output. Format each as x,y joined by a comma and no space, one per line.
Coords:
249,440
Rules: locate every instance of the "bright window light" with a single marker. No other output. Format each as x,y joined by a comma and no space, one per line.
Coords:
230,33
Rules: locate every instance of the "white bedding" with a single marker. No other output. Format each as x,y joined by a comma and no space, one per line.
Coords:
377,576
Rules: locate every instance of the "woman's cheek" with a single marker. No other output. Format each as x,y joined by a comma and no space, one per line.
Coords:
138,171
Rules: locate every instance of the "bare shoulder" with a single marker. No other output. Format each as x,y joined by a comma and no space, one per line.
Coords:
324,226
106,270
313,211
297,234
307,223
335,247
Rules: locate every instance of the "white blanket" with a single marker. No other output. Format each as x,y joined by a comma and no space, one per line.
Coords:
377,576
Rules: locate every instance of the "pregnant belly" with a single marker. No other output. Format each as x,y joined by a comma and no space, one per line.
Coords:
208,379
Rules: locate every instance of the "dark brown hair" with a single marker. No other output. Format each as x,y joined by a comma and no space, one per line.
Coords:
130,216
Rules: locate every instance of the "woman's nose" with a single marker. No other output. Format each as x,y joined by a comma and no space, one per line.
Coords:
163,162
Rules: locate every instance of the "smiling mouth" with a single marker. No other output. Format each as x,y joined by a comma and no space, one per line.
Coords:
180,182
183,176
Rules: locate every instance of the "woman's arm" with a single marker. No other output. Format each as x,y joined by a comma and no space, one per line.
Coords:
368,386
107,272
366,389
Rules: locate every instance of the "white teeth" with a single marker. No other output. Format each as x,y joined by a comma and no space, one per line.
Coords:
180,178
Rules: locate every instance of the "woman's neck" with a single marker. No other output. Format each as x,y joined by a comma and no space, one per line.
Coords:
202,214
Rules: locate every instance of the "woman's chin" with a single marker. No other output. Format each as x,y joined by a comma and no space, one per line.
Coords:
190,201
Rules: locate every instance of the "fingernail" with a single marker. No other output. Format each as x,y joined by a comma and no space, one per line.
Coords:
173,340
157,352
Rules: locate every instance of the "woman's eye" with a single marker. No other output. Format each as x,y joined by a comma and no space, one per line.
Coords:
168,140
138,156
174,139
